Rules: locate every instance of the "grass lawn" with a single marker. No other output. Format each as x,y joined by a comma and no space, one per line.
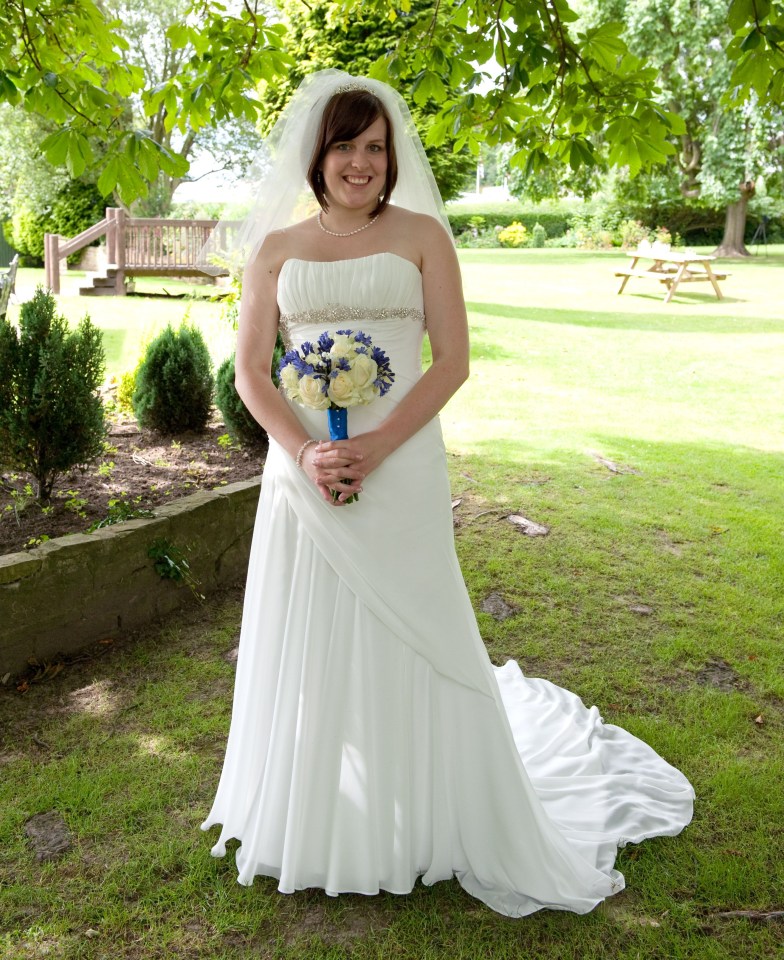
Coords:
656,595
129,323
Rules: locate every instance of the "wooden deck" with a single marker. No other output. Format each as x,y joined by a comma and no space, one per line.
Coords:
135,247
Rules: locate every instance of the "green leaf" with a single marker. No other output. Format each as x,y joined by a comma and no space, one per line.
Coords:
109,176
55,147
752,40
740,13
178,35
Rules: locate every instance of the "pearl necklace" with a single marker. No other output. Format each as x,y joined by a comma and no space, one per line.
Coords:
350,233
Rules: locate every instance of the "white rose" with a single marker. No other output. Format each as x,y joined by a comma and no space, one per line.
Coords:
311,392
290,380
313,358
342,347
364,372
342,390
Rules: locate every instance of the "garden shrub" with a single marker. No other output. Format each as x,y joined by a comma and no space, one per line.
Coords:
174,382
51,417
515,235
126,385
238,419
594,232
539,235
555,223
25,233
632,233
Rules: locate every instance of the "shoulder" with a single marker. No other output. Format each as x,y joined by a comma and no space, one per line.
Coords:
418,236
278,247
419,222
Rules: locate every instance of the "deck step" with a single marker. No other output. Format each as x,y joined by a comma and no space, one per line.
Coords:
100,284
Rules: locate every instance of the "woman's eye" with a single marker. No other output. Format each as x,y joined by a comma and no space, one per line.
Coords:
342,146
376,148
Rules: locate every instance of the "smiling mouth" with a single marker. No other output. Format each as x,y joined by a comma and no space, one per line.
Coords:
357,181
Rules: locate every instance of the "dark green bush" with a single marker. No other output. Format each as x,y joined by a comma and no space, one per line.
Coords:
174,382
236,415
51,417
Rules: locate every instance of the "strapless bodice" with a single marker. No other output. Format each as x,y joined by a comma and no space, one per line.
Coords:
380,294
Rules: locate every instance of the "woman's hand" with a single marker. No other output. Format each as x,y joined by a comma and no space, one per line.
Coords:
340,471
342,465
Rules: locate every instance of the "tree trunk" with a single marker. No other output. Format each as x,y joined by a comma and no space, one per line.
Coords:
732,244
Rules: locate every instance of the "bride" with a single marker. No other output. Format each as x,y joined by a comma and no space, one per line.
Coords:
372,741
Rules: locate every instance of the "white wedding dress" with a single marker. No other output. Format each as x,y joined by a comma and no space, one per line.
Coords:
372,742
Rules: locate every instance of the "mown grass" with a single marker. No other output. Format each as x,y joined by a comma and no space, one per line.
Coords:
129,323
686,401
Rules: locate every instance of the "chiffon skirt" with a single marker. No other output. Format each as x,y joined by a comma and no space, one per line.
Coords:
371,740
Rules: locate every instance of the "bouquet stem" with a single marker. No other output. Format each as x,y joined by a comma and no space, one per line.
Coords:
337,421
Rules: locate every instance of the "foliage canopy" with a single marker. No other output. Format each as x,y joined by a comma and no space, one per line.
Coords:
557,88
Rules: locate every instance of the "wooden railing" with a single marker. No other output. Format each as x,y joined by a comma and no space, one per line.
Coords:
135,246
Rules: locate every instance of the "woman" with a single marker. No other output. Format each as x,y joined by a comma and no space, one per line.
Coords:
371,740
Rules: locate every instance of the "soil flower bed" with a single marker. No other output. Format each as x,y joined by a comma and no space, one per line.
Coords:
139,471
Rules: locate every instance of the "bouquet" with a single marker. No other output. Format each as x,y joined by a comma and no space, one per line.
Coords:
336,373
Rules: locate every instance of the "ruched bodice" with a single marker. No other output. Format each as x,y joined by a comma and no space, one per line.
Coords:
377,282
381,295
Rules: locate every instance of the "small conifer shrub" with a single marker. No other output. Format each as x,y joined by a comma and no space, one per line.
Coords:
51,416
241,424
174,382
238,419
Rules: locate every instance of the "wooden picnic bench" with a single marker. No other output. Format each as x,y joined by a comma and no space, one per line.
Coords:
670,267
7,283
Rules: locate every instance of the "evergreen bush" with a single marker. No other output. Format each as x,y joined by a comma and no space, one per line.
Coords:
51,417
241,424
238,419
174,382
539,235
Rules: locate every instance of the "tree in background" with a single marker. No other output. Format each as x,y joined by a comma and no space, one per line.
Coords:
156,46
319,37
67,61
724,148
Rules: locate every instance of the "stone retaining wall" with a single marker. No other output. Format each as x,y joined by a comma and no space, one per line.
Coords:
75,590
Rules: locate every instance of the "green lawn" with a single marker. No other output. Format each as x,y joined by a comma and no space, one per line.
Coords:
657,595
128,323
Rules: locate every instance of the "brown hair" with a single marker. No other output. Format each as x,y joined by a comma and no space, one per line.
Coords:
347,114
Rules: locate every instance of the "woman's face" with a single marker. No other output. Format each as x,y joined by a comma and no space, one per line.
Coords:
354,171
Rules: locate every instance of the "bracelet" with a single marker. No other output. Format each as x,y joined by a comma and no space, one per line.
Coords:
301,451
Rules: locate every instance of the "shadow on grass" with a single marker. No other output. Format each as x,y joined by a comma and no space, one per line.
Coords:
661,322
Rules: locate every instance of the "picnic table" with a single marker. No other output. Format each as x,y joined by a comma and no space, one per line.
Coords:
670,267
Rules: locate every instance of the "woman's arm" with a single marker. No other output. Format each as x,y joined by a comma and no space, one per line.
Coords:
447,328
256,335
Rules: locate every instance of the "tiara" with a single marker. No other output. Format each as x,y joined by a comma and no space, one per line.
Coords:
348,87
